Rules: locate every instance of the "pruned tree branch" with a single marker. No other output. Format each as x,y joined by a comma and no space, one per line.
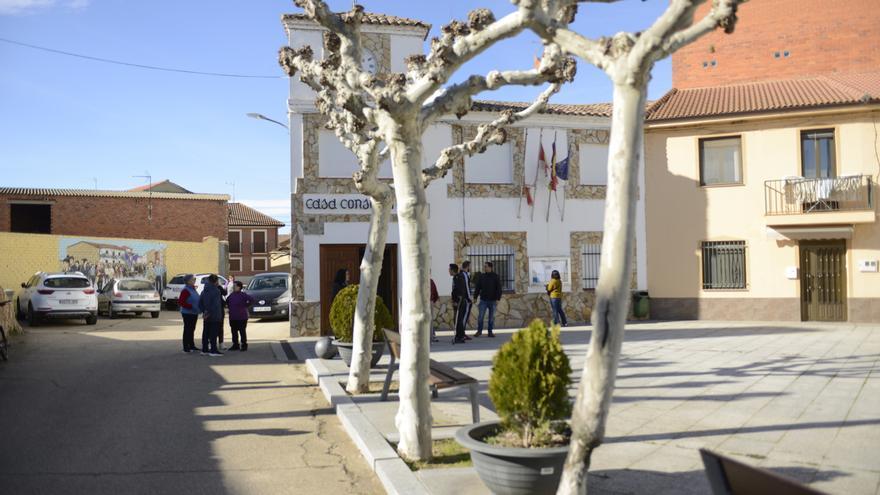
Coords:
487,134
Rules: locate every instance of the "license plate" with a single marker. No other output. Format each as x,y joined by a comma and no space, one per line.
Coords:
138,297
262,310
68,301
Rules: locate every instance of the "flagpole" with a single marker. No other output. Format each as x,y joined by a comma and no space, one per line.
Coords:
522,182
552,175
537,168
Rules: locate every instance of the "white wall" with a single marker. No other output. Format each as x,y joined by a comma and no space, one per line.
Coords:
403,46
593,164
495,166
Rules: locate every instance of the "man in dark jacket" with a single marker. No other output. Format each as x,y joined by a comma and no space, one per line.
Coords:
488,290
211,303
461,299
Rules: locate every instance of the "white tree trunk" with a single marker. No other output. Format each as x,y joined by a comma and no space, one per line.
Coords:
613,292
414,414
371,269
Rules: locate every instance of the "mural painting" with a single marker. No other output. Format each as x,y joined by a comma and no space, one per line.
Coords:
102,260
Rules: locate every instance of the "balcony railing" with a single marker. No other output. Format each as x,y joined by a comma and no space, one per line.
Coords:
797,195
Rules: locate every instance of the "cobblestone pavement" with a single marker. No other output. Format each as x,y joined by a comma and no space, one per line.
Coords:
118,408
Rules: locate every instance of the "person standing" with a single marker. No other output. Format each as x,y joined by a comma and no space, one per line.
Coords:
238,303
211,303
488,290
340,281
461,299
466,271
223,294
188,302
435,296
554,290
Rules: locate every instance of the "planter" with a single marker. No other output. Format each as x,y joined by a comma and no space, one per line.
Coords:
508,470
345,351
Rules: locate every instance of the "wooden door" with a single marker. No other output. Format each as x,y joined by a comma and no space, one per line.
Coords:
823,280
348,256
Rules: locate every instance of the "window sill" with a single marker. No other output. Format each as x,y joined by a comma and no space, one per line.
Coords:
746,289
732,184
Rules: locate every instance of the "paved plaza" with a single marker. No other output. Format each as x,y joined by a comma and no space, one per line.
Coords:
799,399
117,408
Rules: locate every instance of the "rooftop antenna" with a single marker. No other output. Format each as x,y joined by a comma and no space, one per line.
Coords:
149,192
95,179
233,189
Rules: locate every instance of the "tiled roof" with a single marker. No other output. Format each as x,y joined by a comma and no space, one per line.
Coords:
585,110
241,215
162,186
370,18
767,96
43,192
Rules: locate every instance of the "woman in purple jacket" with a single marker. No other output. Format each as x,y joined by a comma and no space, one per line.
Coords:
238,303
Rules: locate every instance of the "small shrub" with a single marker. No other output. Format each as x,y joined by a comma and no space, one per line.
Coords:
529,387
342,316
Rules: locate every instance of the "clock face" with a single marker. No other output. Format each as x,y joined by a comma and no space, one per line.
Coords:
369,62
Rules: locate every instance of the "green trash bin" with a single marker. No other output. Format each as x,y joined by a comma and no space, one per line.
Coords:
641,304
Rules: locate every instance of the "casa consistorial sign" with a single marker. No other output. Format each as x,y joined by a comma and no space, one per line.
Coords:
337,204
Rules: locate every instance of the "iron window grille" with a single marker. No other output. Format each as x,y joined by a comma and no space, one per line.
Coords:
590,255
724,265
503,261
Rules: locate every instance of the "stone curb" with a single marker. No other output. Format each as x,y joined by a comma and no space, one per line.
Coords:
391,470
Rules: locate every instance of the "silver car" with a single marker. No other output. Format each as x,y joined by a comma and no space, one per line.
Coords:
129,295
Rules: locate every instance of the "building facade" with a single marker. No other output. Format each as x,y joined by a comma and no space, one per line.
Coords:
478,212
762,170
253,237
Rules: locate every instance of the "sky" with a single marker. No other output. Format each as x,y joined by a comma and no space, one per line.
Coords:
68,122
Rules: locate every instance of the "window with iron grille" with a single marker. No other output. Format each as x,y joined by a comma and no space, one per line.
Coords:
724,265
502,258
590,254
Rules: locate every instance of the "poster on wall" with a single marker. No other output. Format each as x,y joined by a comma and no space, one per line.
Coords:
541,267
102,260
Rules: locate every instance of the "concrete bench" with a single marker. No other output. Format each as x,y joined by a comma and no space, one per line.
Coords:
442,375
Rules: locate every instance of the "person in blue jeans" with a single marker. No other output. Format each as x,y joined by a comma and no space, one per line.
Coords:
488,290
554,290
211,303
189,310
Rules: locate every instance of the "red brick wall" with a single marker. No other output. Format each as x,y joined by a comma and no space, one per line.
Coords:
172,219
247,249
821,36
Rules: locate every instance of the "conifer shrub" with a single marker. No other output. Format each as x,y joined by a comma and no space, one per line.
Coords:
529,387
342,316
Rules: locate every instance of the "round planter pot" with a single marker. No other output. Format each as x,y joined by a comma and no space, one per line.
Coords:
345,351
508,470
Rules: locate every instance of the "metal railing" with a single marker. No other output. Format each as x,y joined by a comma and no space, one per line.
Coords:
591,255
799,195
724,264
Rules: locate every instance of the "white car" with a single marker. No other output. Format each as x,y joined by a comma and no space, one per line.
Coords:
172,290
58,296
129,295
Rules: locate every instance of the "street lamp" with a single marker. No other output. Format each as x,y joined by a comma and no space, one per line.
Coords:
260,116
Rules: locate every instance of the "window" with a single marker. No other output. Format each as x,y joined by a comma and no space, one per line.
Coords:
817,154
258,264
502,258
594,164
268,282
136,285
234,241
258,241
30,218
234,264
590,255
493,166
67,283
724,265
721,161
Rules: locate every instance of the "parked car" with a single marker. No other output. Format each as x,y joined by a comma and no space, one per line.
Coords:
271,293
172,290
67,295
129,295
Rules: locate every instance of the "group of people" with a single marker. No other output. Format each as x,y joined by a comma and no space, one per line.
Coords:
211,304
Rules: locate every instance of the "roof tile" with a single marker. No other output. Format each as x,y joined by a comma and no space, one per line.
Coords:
34,191
241,215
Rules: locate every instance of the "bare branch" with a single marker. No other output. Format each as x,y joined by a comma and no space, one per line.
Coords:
487,134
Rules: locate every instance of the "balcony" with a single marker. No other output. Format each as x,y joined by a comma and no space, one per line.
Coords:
833,200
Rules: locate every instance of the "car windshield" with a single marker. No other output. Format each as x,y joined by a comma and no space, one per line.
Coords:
179,280
136,285
266,283
67,283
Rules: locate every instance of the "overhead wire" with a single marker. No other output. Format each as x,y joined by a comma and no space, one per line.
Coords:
139,66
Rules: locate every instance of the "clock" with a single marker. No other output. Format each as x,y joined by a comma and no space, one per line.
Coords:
369,62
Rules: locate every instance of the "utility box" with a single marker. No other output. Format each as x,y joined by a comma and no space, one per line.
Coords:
868,266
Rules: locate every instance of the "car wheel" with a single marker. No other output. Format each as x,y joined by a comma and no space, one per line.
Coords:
91,320
32,318
18,312
154,314
110,313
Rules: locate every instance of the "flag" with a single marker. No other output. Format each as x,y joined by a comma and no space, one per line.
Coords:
542,160
553,180
537,62
528,192
562,169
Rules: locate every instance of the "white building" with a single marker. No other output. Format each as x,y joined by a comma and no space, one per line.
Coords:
477,212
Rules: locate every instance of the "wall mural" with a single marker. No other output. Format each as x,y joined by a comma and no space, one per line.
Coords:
102,260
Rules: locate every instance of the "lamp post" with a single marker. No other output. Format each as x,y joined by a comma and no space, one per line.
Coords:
260,116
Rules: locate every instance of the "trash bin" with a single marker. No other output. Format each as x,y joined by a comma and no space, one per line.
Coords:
641,304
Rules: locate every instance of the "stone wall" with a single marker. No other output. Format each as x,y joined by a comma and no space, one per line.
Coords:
517,310
305,318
